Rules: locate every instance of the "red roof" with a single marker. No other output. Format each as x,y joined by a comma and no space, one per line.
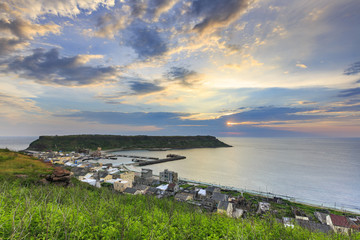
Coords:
340,221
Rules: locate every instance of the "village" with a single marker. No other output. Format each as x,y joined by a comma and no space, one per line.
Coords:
207,197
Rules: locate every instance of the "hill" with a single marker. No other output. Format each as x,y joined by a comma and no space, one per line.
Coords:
17,164
76,142
85,212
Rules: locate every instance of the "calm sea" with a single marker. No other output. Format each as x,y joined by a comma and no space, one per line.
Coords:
320,171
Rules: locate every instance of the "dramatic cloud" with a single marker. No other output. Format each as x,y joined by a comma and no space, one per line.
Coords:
48,68
9,45
68,8
146,43
350,92
158,7
141,88
16,32
184,76
110,24
353,69
217,13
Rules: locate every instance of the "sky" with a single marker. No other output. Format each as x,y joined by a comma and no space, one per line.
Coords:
236,68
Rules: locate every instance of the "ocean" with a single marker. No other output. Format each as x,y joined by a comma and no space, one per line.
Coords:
321,171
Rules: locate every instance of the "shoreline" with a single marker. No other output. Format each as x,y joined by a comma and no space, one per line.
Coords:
310,202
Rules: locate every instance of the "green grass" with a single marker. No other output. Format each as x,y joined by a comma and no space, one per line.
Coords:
84,212
13,163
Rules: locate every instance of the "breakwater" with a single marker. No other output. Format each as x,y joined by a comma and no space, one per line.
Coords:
170,157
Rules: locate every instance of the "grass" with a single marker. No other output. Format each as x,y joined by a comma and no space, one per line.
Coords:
13,163
84,212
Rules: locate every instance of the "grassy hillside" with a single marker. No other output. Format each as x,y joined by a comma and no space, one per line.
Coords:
12,164
83,212
75,142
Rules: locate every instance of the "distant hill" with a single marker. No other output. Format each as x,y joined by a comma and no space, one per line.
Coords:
77,142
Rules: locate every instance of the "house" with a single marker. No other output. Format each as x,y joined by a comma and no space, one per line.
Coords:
211,190
141,188
238,212
183,197
263,207
152,191
128,176
146,173
338,224
131,191
168,176
225,207
201,194
106,178
122,185
173,187
218,197
321,217
313,226
87,176
208,204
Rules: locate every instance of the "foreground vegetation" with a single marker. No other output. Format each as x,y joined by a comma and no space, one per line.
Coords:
76,142
83,212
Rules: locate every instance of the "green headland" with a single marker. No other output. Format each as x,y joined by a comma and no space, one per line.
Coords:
92,142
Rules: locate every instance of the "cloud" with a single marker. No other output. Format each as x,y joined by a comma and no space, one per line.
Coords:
184,76
141,88
300,65
16,32
24,29
146,42
172,123
49,68
136,118
350,92
17,108
110,24
158,7
8,45
68,8
353,69
217,13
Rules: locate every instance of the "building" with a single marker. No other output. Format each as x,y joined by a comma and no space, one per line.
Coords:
173,187
131,191
141,188
321,216
122,185
338,224
128,176
211,190
169,176
146,173
218,197
183,197
225,207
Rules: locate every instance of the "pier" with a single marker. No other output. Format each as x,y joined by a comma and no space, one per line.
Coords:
170,157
